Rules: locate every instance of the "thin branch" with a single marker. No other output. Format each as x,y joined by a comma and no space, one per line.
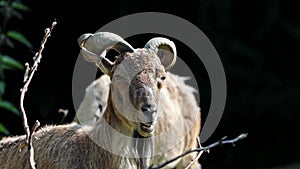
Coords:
29,72
198,155
30,147
201,149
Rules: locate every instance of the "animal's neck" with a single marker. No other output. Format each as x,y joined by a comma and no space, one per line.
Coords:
116,120
143,149
111,131
115,135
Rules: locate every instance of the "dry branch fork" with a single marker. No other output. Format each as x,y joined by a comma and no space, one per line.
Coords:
29,72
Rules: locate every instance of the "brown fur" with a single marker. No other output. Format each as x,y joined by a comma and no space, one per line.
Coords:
55,147
76,146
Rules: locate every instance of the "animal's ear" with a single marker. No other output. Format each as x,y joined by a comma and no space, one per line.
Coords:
165,50
94,48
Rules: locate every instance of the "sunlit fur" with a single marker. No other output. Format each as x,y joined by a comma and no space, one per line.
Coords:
177,101
72,145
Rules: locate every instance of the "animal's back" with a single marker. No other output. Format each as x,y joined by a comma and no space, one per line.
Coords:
192,117
55,147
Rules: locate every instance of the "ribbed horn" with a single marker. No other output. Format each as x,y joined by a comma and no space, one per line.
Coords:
165,49
95,46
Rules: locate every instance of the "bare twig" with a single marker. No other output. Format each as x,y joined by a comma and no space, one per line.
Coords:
30,147
29,72
198,155
201,149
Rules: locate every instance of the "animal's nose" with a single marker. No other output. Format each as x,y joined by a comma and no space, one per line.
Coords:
149,113
149,108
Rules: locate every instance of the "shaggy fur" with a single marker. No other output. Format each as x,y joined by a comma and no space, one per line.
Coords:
116,140
176,87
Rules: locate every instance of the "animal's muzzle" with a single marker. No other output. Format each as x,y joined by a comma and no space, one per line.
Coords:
149,113
149,108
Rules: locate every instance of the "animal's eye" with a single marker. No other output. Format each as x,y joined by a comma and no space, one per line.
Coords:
163,78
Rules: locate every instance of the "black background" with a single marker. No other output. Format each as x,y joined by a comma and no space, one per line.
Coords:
257,41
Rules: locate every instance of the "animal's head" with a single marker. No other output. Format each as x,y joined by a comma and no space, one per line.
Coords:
137,75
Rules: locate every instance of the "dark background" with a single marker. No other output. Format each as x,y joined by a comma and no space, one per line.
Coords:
257,41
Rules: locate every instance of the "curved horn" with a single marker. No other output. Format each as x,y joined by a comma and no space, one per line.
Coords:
165,49
95,46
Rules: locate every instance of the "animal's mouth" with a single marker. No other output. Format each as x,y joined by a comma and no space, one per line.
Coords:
146,129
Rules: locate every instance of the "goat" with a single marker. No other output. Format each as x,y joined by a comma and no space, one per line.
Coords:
142,95
94,102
